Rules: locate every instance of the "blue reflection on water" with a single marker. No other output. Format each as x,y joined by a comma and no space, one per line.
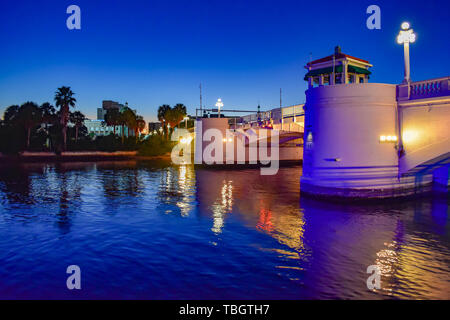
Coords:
152,231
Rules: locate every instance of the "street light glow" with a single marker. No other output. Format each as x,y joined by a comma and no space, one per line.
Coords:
406,35
219,104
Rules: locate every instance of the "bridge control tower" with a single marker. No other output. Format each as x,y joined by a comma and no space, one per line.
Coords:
338,68
373,140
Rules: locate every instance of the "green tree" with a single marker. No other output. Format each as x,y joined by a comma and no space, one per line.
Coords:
48,117
64,99
10,114
129,119
112,118
175,115
140,126
48,114
77,118
162,113
29,116
181,108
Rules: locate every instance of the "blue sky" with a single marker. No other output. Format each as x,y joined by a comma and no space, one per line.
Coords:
154,52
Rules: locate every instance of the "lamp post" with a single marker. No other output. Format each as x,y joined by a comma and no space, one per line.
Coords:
405,37
219,104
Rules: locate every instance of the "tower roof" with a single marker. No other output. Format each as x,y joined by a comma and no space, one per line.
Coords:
337,63
338,55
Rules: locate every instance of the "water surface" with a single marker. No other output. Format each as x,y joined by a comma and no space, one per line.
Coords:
152,231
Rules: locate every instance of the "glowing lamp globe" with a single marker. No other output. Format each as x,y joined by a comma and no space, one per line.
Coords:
406,35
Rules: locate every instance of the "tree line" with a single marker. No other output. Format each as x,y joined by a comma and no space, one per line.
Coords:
46,127
125,118
170,117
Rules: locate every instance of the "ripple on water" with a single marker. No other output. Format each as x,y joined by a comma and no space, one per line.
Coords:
142,230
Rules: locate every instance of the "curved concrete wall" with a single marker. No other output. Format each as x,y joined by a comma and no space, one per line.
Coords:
425,131
343,125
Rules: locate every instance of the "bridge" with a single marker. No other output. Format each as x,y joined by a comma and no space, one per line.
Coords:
424,122
376,140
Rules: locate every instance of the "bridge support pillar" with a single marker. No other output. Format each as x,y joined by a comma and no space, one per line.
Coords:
346,152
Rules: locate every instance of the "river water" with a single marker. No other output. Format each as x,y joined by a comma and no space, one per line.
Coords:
148,230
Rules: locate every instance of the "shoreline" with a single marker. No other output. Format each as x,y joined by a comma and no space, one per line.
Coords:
77,156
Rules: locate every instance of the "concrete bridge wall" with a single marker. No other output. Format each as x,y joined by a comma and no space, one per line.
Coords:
343,125
425,126
344,154
237,148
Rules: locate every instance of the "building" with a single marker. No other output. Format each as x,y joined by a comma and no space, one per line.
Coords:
345,68
154,126
283,118
108,105
99,128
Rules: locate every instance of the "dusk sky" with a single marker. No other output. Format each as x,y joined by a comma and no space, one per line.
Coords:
157,52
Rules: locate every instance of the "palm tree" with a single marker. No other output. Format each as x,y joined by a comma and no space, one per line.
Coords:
112,118
175,115
129,119
140,125
64,99
48,117
10,114
181,108
77,118
29,116
48,113
162,113
122,122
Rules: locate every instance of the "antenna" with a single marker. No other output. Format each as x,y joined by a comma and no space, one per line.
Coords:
280,99
200,98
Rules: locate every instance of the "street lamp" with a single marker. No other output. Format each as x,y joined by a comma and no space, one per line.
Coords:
405,37
219,104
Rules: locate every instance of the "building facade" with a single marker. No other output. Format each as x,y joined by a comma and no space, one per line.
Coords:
99,128
285,118
154,126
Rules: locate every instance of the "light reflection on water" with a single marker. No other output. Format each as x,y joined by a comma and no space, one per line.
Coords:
149,230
